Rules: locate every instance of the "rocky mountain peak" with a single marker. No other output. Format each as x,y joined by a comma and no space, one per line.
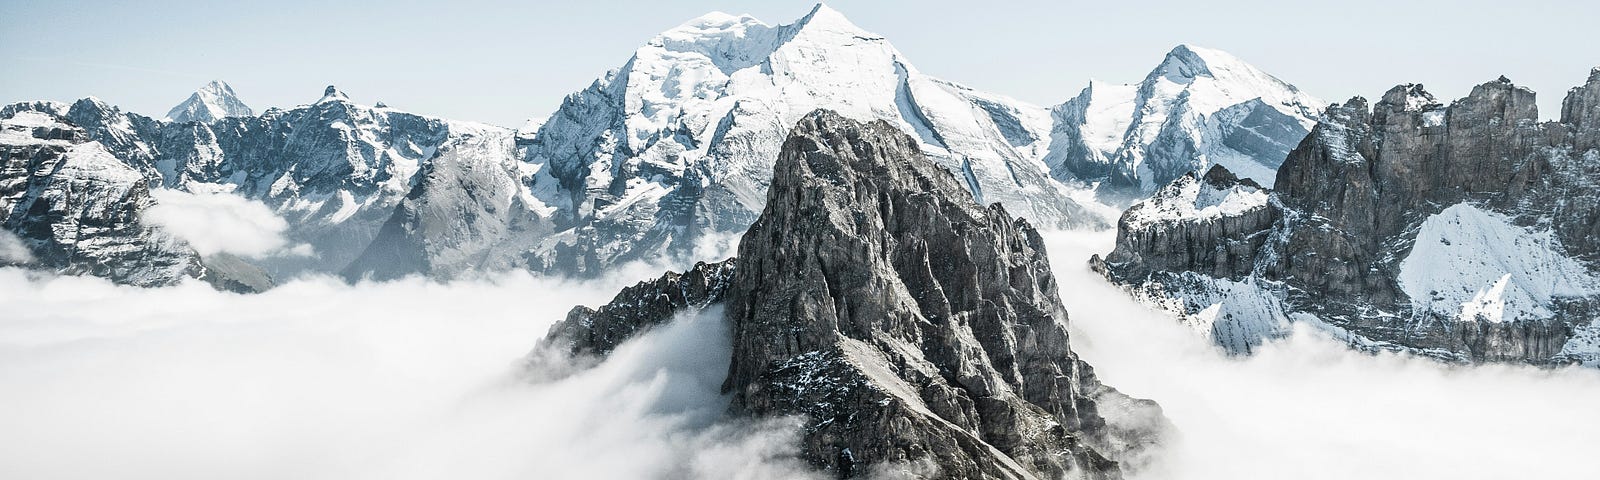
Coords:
1411,97
1185,62
909,326
213,101
1501,100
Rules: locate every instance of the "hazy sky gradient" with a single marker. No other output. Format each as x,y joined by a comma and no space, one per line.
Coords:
504,63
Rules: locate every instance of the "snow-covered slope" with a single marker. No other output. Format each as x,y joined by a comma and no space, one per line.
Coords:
1497,271
676,147
1199,107
212,102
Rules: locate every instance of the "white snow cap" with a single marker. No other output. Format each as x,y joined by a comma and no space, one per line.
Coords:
210,103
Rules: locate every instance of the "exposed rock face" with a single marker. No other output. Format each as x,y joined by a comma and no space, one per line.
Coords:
1199,107
76,208
1467,232
908,325
641,307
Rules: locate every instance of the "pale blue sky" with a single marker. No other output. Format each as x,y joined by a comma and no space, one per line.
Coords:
502,63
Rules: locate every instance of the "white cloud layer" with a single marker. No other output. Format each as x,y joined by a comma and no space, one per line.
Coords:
318,379
1309,408
221,223
321,380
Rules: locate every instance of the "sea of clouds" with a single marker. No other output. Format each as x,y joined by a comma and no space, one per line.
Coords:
319,379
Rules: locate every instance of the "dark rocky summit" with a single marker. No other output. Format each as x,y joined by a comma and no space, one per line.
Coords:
909,326
1469,232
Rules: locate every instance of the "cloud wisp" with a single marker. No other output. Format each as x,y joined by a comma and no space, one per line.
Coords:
12,250
215,223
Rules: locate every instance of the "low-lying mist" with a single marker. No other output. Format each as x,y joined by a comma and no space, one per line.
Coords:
1307,407
318,379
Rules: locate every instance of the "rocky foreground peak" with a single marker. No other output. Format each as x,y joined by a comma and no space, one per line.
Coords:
910,327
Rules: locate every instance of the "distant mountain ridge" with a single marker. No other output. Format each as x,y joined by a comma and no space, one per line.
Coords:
665,157
1199,107
212,102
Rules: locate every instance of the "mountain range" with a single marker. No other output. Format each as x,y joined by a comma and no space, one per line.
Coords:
671,153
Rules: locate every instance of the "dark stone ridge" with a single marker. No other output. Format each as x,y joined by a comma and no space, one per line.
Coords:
908,325
641,307
1349,203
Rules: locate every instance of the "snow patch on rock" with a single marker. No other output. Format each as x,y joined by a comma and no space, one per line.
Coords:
1476,265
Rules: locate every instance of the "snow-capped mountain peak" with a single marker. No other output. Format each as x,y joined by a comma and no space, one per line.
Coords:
1197,108
210,103
1216,79
677,144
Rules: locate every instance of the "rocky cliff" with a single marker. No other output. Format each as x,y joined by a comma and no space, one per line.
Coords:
909,326
1467,232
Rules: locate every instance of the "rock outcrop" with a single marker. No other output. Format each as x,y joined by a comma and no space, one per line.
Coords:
909,326
1468,232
